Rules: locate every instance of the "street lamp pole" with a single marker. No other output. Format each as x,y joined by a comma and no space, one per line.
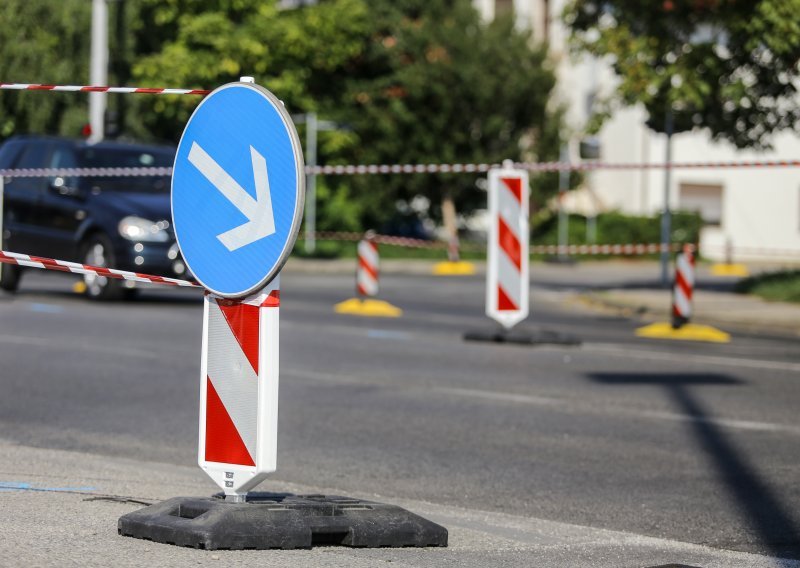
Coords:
666,216
98,69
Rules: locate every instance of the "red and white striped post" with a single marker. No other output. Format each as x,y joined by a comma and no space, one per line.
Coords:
683,288
368,267
507,273
239,391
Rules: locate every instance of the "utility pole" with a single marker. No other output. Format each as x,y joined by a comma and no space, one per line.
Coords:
311,182
313,126
563,219
98,69
666,216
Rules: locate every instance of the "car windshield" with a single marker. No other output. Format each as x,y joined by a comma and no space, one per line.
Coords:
98,157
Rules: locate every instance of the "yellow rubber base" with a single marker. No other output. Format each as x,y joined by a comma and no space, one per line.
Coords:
459,268
368,308
729,270
79,287
687,332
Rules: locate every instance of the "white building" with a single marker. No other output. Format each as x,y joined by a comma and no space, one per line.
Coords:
756,210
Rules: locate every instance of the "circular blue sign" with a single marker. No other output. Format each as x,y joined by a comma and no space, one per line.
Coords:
238,188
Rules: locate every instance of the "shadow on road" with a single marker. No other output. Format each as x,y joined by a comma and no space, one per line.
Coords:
777,531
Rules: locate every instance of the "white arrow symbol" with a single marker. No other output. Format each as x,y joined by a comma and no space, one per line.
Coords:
261,222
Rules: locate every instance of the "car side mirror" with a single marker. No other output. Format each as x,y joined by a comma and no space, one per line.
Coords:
59,186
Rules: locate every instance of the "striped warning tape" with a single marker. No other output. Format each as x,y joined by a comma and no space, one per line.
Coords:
85,172
74,267
100,89
536,167
606,249
409,168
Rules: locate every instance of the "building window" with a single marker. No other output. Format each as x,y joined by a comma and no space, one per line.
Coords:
705,199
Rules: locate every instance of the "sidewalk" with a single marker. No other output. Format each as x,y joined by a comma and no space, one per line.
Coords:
60,508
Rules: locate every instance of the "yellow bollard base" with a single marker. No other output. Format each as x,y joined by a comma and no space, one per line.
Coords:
687,332
730,270
460,268
79,287
368,307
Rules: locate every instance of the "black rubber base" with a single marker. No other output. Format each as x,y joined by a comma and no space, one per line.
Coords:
542,337
279,520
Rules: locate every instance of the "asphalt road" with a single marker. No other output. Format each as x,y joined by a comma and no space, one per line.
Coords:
693,442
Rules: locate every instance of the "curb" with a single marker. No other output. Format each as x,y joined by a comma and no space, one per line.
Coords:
763,329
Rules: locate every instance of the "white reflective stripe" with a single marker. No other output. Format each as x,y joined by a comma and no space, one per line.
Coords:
367,283
509,277
174,91
68,88
17,86
369,254
31,263
508,208
233,377
682,304
686,269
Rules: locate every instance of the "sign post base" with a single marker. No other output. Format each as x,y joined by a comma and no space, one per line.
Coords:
280,520
517,337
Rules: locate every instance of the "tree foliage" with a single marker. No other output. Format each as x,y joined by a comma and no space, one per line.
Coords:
46,42
437,85
728,65
407,81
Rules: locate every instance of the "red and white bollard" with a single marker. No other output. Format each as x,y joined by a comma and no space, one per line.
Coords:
368,266
683,288
239,390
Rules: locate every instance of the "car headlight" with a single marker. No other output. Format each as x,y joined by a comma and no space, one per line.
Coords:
137,229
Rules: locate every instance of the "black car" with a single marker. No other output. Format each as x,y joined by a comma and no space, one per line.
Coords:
115,222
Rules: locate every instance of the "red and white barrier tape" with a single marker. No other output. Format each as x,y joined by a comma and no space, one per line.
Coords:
608,249
100,89
627,249
74,267
536,167
85,172
408,168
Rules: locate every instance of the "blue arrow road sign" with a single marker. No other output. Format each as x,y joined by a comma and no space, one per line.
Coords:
237,189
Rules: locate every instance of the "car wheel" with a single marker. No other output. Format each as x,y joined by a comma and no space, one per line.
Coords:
9,277
97,251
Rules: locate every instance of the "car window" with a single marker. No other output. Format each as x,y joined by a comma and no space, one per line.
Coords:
33,156
63,157
125,158
94,157
9,152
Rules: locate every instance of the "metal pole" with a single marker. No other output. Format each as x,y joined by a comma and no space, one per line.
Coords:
666,216
563,219
98,69
311,182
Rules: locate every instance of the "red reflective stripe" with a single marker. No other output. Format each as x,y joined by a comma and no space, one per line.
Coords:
370,270
243,320
504,303
273,300
361,291
514,185
50,263
683,285
509,243
223,442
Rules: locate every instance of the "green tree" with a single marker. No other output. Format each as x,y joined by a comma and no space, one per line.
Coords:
437,85
44,42
298,54
727,65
